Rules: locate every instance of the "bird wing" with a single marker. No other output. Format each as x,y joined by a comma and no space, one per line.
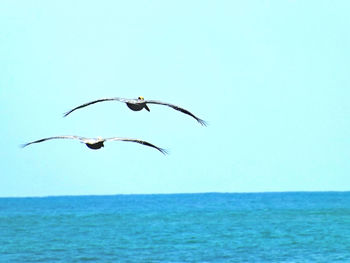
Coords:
202,122
163,151
55,137
93,102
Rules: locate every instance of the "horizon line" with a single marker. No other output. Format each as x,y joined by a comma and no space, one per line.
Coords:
177,193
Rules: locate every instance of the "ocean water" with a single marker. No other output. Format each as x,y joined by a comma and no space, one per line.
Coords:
257,227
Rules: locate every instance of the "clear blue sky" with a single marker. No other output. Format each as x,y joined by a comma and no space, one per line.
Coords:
271,77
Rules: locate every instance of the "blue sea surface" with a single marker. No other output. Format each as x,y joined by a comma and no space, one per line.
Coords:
213,227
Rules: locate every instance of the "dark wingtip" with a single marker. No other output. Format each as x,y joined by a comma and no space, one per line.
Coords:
163,151
23,145
66,114
203,122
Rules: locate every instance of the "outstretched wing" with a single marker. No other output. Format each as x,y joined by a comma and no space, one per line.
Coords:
55,137
163,151
202,122
93,102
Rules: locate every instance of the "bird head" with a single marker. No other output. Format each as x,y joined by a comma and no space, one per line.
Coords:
141,98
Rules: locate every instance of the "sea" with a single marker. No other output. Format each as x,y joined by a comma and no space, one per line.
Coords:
208,227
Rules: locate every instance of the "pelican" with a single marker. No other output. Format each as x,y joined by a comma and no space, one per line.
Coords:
137,105
97,143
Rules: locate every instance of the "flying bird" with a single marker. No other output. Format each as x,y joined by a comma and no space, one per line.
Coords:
97,143
137,105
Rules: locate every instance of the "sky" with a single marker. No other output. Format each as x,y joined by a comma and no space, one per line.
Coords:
270,77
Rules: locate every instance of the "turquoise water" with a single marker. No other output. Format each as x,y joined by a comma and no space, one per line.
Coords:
266,227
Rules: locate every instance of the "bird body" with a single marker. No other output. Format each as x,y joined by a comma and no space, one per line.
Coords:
97,143
95,146
139,104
